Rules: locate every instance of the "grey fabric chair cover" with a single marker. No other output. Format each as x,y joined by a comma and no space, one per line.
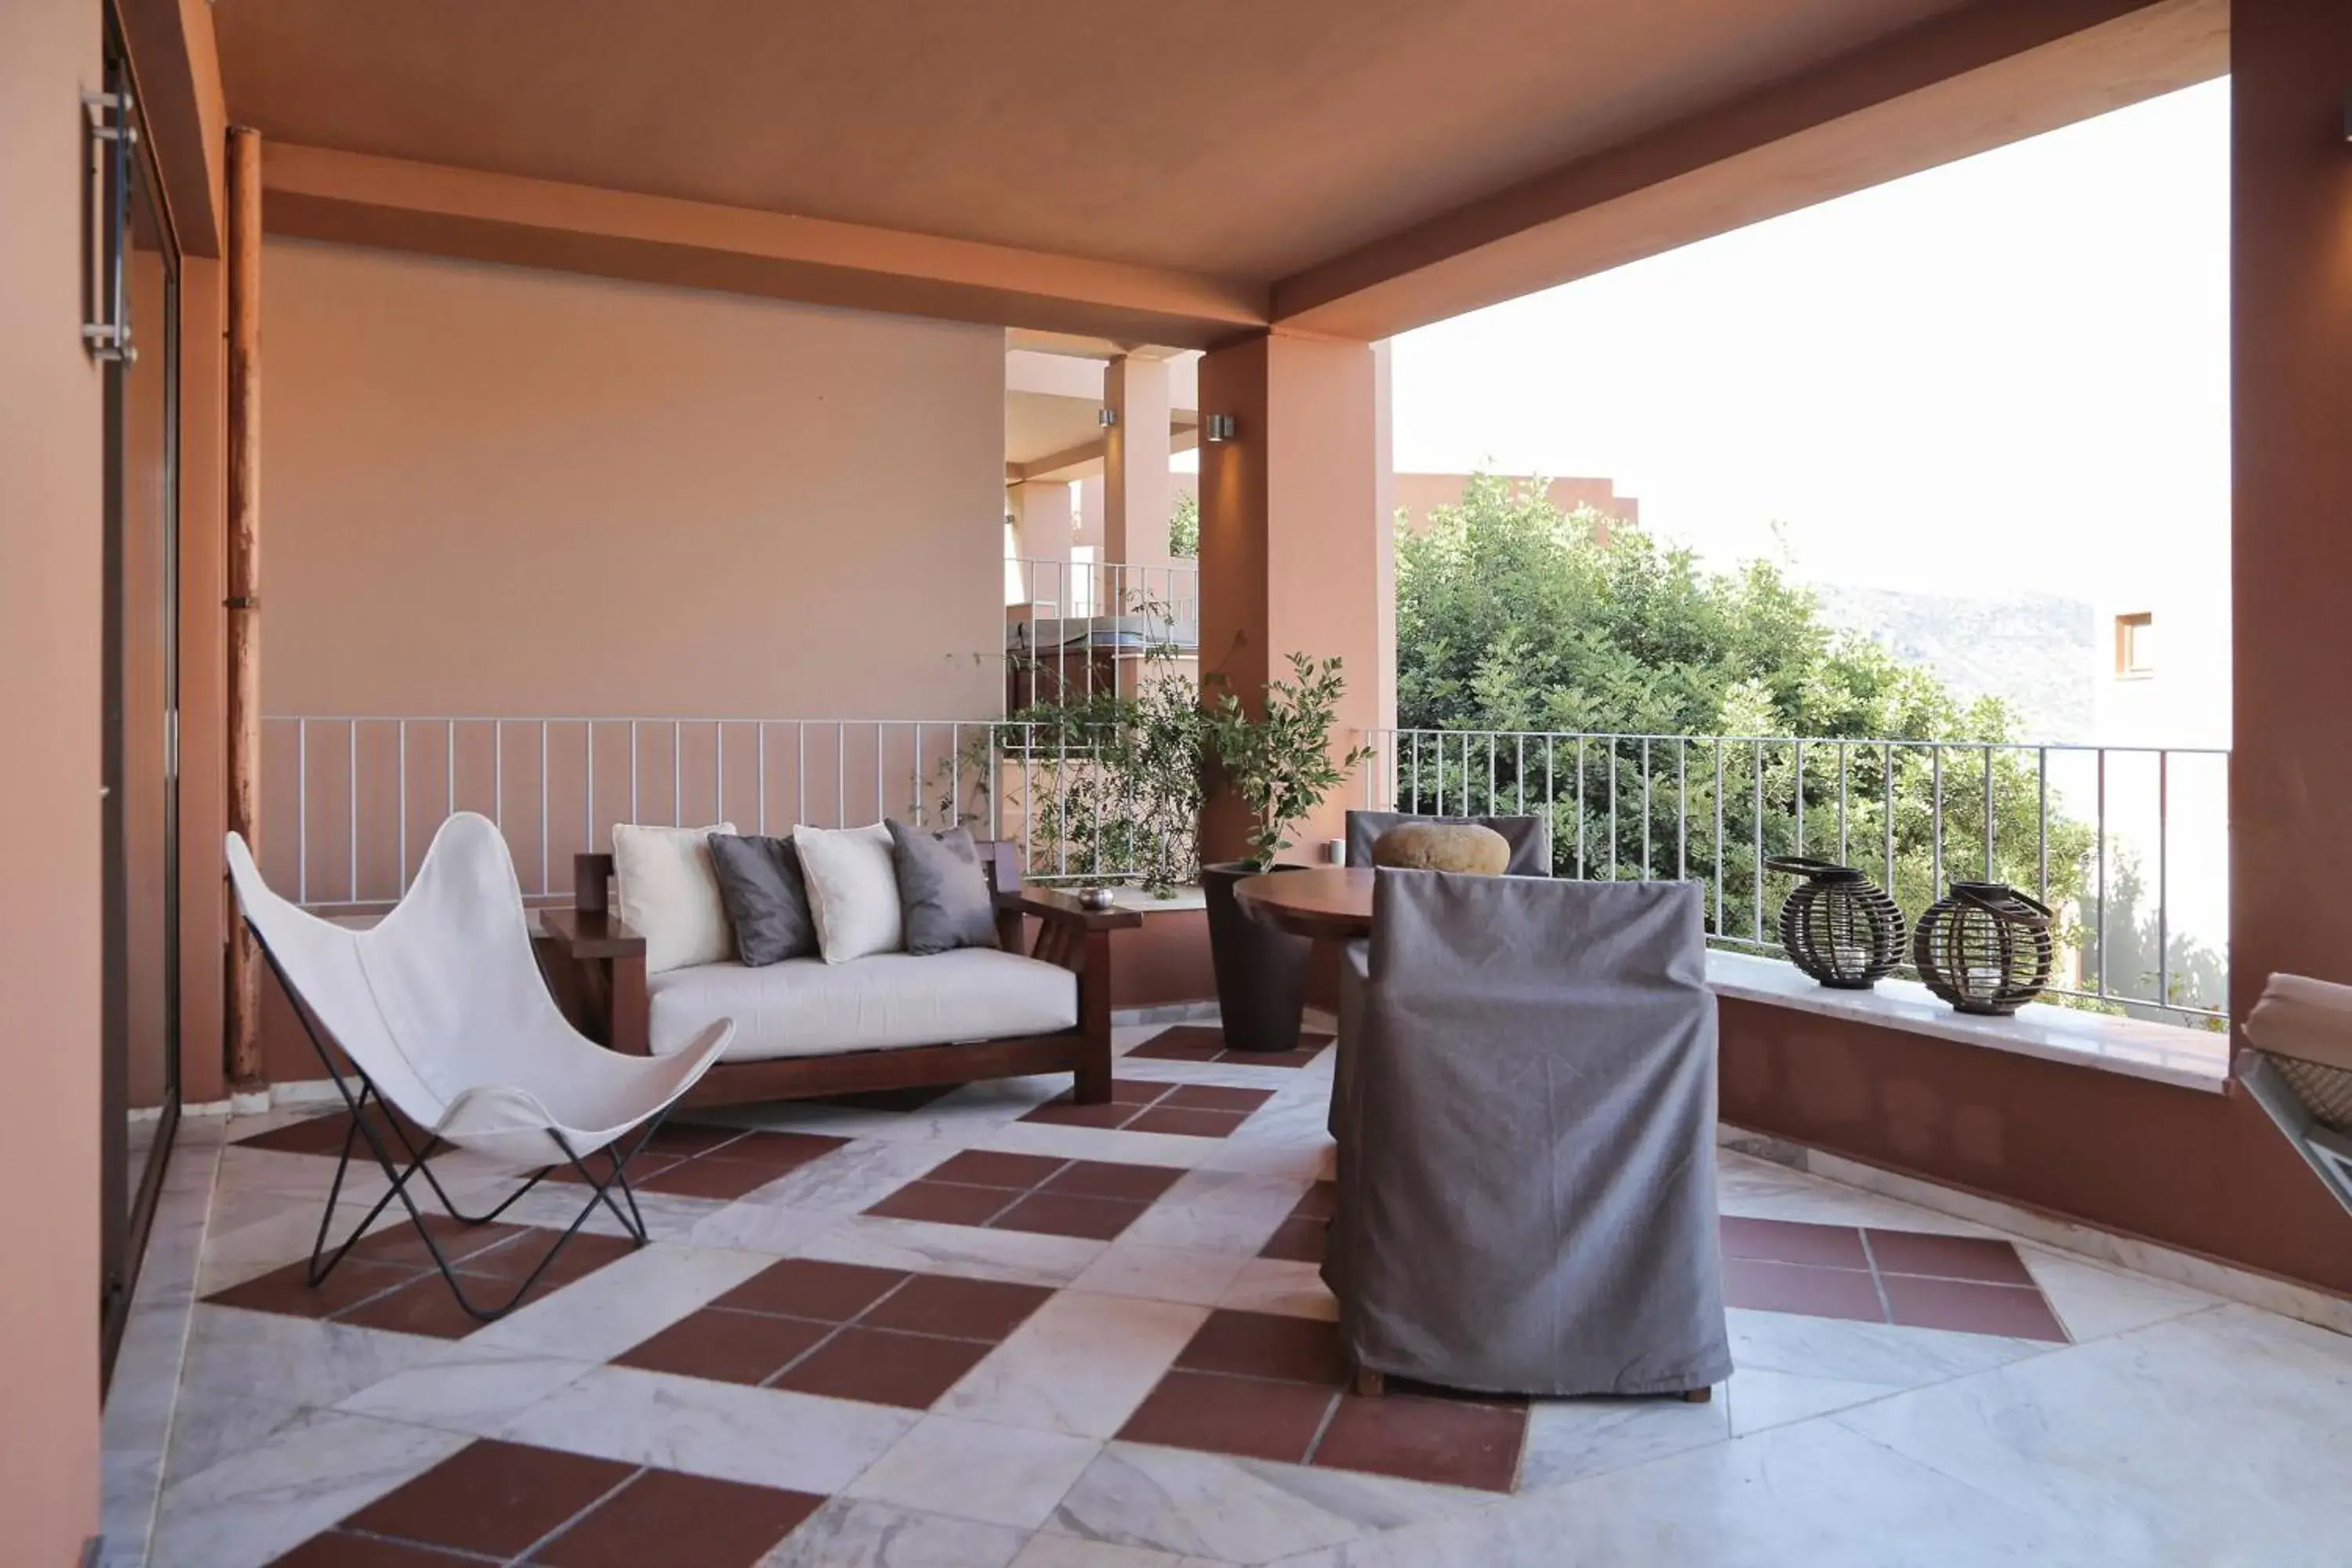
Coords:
1528,836
1526,1115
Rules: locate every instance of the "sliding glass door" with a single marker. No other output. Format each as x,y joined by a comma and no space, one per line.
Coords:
138,271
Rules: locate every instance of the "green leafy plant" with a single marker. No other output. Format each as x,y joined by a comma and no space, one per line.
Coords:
1280,762
1184,527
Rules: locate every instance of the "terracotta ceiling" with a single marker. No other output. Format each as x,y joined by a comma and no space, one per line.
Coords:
1241,139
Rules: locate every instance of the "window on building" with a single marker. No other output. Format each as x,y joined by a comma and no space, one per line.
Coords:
2136,644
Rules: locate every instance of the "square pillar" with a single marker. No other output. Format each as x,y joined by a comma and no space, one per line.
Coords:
1043,518
1296,554
1137,501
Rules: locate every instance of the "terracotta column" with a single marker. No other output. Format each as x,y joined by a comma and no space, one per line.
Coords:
1136,496
2291,286
1295,556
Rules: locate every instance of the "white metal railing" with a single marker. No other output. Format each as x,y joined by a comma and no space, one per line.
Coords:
2131,841
1071,626
351,802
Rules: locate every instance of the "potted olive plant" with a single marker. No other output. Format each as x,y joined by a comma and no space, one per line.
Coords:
1280,766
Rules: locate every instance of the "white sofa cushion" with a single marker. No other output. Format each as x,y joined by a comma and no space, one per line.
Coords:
668,894
853,890
807,1008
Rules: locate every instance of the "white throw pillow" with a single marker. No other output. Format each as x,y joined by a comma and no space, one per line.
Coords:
668,894
853,890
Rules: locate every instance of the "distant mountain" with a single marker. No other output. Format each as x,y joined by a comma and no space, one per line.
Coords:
2035,651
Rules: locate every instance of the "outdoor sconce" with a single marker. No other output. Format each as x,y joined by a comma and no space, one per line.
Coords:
1217,427
1105,417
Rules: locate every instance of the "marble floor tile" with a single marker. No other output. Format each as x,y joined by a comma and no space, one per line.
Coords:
297,1360
1789,1367
473,1388
2220,1438
1219,1211
210,1426
597,1318
1015,1257
1162,1273
2094,1301
1079,1365
1045,1550
998,1475
765,1436
850,1533
254,1504
1281,1285
1238,1510
1569,1440
851,1178
760,1225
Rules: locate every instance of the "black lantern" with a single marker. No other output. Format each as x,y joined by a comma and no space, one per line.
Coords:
1986,948
1838,926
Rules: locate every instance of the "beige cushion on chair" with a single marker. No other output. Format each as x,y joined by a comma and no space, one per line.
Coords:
853,890
668,893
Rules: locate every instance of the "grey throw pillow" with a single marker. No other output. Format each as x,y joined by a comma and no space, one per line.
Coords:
767,902
942,892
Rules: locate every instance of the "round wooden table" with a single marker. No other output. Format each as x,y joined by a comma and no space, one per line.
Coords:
1331,903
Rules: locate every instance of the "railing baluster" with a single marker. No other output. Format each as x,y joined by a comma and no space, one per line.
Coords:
2163,878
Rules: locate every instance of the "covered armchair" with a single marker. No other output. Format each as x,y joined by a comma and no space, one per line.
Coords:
1528,836
1526,1123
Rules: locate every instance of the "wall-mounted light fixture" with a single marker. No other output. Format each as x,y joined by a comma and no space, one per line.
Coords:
1105,417
1217,427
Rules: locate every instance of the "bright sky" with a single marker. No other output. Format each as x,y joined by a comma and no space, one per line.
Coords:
2003,373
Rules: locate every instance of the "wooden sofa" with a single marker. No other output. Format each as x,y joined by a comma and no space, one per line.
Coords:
596,968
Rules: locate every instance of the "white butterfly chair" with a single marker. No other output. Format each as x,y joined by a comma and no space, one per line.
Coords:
440,1014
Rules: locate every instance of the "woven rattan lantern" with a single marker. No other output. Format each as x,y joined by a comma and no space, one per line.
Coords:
1838,926
1986,948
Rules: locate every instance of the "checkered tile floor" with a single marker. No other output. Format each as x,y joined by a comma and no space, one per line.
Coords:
974,1326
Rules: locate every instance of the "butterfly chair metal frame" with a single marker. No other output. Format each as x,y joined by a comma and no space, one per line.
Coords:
632,1221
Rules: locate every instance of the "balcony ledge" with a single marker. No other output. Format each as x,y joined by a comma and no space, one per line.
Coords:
2162,1053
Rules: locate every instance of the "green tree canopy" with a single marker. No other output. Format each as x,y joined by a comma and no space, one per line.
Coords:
1514,616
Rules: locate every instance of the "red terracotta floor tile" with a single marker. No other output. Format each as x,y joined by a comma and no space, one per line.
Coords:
513,1261
781,1152
1797,1288
1793,1241
680,1521
806,1288
642,1169
1138,1091
1267,1344
1062,1113
1185,1042
727,1347
884,1368
457,1241
427,1306
945,1202
342,1549
1443,1441
985,1310
1103,1179
1987,1260
686,1138
902,1100
1298,1239
325,1134
1185,1123
287,1291
491,1497
1971,1308
1063,1214
1214,1097
1240,1416
987,1168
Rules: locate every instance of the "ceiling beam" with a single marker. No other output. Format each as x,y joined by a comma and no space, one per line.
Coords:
317,194
1974,78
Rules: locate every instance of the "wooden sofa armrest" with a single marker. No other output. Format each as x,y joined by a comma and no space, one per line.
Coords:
1063,909
594,963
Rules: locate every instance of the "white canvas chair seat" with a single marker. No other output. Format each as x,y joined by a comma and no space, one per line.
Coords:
441,1010
2299,1070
